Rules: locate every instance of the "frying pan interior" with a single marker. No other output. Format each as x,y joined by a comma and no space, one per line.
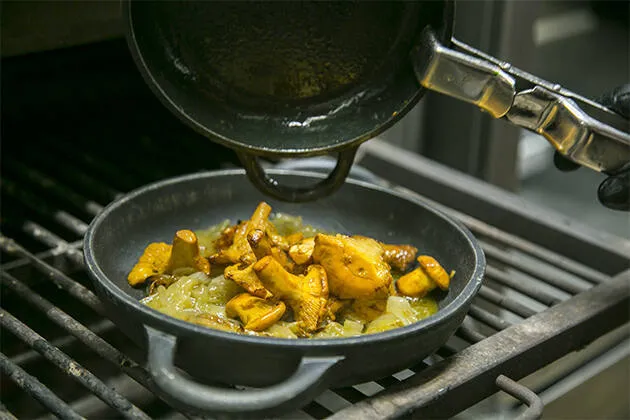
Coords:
283,77
199,201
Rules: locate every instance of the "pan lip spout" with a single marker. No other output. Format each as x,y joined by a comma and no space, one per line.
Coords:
457,308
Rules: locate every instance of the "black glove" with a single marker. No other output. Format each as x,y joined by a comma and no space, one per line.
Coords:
614,192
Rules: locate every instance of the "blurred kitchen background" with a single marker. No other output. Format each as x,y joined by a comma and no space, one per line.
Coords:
583,45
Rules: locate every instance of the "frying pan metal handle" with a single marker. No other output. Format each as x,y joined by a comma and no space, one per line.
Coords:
325,187
304,385
589,133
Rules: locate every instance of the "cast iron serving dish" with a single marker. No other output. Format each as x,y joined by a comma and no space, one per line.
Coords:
288,373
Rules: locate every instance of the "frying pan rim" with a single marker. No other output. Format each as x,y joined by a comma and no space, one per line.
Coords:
149,316
444,34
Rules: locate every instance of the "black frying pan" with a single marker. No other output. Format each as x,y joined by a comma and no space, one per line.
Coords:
311,77
292,372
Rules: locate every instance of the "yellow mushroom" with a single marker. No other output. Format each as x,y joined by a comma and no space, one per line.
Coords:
255,313
152,262
302,251
160,258
185,254
423,279
435,271
307,295
247,279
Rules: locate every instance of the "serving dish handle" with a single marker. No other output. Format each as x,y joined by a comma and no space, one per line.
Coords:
304,385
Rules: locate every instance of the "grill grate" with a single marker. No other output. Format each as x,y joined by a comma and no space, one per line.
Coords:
79,128
522,280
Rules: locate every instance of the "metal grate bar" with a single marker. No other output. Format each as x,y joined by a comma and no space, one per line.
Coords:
527,288
47,237
487,318
83,334
71,223
59,278
530,248
43,235
50,185
350,394
70,367
106,170
37,390
6,414
467,333
536,271
41,207
479,227
495,297
62,342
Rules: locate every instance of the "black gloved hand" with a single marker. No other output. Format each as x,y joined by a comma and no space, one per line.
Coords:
614,191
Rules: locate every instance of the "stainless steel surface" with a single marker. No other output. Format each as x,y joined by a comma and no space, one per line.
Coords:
547,109
464,77
570,130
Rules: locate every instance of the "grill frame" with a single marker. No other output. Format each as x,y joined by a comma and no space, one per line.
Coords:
474,370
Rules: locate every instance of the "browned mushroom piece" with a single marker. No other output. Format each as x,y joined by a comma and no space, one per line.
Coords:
294,238
286,262
307,295
415,283
238,252
161,280
247,279
185,254
160,258
152,262
423,279
399,257
216,322
302,251
335,306
435,271
354,265
275,238
255,313
226,239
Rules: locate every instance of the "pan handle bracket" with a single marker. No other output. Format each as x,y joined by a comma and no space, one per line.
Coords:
580,129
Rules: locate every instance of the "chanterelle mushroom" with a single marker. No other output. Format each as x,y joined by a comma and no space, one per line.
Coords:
185,254
302,251
152,262
399,256
307,295
159,258
423,279
355,266
255,313
238,252
247,279
435,271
